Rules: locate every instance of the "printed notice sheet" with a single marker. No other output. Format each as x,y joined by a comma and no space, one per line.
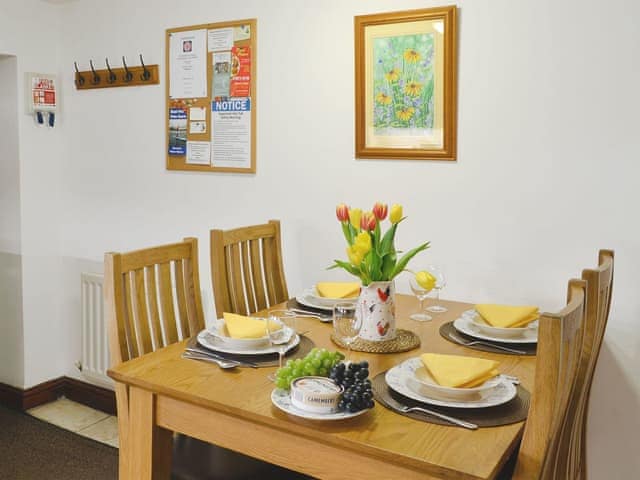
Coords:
220,39
199,153
221,74
188,64
231,142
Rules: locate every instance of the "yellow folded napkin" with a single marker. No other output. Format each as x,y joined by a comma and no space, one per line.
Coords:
457,371
239,326
338,289
507,316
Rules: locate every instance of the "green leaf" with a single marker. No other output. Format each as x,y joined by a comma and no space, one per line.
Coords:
376,237
376,264
402,263
387,241
348,235
353,270
388,262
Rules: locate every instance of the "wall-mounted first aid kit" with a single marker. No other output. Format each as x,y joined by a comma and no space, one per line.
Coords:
42,98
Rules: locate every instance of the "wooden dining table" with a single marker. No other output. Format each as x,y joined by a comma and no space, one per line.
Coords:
233,409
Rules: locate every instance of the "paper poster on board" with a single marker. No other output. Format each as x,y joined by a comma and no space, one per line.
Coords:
240,72
220,39
231,140
188,64
177,131
198,153
221,74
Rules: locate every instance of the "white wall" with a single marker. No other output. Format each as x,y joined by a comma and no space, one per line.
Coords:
11,338
30,30
547,148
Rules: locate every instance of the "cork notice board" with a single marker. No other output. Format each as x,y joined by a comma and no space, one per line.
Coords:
211,97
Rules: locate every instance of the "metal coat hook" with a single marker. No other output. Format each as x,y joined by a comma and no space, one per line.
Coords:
146,74
112,76
96,77
80,80
128,76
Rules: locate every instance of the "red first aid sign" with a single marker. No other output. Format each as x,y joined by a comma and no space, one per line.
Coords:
44,92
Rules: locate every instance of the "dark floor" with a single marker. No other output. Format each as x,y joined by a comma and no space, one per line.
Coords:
33,449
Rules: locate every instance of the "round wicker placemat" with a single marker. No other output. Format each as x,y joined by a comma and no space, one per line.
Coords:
404,340
269,359
511,412
448,328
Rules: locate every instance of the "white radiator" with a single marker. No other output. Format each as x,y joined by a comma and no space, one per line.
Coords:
95,339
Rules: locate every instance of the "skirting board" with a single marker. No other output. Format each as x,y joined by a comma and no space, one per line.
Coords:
95,397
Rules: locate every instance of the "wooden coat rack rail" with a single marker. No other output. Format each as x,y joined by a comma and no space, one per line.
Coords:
116,77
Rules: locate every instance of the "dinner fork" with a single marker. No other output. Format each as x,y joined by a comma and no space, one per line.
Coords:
224,364
307,313
466,343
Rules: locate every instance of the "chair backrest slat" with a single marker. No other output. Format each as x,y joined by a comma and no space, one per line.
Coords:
167,310
129,319
234,269
247,268
145,344
257,273
195,315
559,345
140,297
247,276
152,302
181,297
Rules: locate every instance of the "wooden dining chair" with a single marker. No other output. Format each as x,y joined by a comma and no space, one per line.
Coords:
141,291
545,441
152,299
247,273
599,292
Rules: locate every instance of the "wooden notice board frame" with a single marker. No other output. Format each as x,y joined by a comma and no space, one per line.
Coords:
178,161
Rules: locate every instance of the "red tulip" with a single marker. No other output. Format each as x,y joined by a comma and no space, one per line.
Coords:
342,212
368,221
380,210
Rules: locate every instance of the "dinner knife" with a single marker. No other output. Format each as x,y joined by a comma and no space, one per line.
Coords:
208,353
395,405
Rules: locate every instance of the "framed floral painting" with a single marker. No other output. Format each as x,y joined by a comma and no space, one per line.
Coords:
406,84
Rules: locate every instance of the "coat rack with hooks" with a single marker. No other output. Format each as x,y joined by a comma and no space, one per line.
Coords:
126,76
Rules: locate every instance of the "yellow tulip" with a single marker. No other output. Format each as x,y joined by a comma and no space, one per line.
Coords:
354,217
363,242
355,255
426,280
396,213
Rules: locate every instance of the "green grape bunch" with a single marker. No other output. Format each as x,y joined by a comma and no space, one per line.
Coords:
318,363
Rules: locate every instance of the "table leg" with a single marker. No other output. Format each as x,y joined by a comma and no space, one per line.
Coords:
149,454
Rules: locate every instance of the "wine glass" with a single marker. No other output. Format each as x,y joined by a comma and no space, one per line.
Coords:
281,326
441,282
346,323
421,294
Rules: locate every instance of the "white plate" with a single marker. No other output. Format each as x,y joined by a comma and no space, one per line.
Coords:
397,379
218,330
307,300
212,342
312,294
499,332
282,400
423,384
468,327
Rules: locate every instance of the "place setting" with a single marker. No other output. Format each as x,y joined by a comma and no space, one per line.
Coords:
250,342
455,390
318,300
506,329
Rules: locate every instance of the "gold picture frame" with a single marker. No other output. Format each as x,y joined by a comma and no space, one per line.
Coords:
406,84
